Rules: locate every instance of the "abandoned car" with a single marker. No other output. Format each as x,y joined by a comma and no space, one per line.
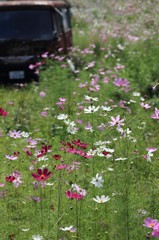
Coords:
27,30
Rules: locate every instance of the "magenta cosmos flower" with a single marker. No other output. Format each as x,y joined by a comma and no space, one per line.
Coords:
74,195
150,223
3,112
42,174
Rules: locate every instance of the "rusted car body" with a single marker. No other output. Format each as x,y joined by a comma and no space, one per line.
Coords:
27,30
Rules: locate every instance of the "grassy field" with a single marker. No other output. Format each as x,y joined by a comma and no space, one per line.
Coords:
79,150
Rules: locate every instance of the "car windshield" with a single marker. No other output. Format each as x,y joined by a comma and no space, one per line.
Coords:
26,25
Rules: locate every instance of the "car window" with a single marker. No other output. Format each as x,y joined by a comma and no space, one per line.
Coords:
26,24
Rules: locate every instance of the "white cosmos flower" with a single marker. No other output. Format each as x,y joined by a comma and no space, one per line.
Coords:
69,229
120,159
25,134
43,158
91,109
72,129
136,94
91,98
110,169
71,65
104,152
91,152
37,237
149,155
101,199
62,116
97,181
102,143
49,184
70,123
105,108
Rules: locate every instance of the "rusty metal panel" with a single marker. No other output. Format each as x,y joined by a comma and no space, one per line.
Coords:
33,3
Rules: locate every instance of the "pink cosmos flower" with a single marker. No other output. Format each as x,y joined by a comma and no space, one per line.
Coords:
45,55
61,166
89,127
36,199
122,83
15,178
14,134
119,67
42,94
17,181
13,157
79,190
151,149
155,115
117,121
74,195
155,232
32,66
149,222
44,113
74,166
145,105
32,142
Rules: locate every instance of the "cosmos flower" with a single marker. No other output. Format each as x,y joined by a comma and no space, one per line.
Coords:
15,178
116,121
155,232
69,229
149,222
57,157
101,199
61,166
42,94
37,237
3,112
80,144
74,195
91,109
91,98
79,190
97,181
42,174
121,82
14,134
155,115
62,116
145,105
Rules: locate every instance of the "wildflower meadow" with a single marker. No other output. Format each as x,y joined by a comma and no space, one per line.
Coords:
79,149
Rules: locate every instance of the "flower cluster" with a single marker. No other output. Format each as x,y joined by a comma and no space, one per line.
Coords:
154,225
3,112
